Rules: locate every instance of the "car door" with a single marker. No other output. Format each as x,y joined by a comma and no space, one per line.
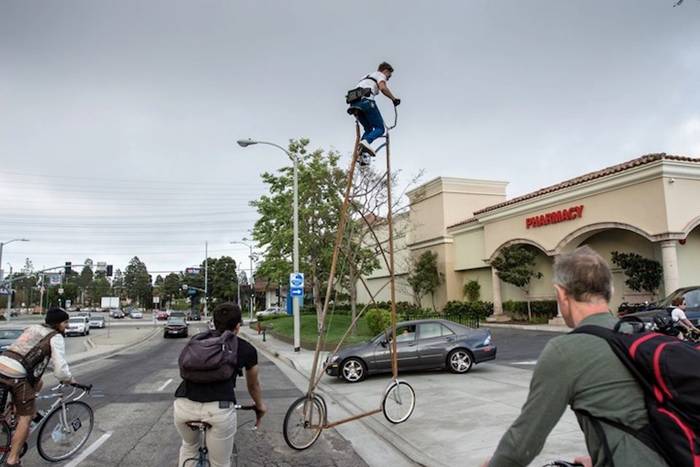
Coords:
433,340
406,350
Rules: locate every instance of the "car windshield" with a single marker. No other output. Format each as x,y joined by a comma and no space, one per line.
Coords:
691,296
97,318
176,321
10,333
76,320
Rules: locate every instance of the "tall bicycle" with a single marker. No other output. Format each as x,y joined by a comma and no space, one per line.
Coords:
63,429
308,415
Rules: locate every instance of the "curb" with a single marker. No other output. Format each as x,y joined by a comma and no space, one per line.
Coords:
89,358
397,442
89,344
529,327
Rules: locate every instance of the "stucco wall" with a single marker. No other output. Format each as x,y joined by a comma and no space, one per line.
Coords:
540,289
689,260
482,276
469,249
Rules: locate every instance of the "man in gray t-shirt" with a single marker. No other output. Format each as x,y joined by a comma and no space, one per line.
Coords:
581,371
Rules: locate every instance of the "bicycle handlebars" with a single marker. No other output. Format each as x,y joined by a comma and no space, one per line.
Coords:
86,388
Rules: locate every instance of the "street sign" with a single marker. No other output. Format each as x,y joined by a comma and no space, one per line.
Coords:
60,291
4,291
156,300
296,284
54,279
192,271
68,303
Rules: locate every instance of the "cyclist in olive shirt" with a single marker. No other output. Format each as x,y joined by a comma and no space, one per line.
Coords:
580,371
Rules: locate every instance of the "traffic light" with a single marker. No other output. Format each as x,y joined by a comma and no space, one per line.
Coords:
68,268
109,270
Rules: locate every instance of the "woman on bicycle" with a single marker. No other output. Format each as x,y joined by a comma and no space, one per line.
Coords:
22,366
214,402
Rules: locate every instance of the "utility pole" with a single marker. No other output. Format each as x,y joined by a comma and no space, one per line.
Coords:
206,279
9,295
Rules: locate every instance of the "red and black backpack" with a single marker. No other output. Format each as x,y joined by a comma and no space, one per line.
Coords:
668,370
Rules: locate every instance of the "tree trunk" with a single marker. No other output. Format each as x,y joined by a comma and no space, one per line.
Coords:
432,299
317,299
352,288
529,309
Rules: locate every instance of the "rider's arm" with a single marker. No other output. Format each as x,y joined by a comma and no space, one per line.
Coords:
58,359
549,395
255,391
385,90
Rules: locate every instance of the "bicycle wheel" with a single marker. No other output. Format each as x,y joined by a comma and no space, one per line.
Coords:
61,438
5,438
303,423
399,402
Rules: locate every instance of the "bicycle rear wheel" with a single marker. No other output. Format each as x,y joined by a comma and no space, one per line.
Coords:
5,438
304,422
59,438
399,402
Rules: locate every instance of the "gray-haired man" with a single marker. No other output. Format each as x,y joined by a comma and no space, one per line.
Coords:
580,371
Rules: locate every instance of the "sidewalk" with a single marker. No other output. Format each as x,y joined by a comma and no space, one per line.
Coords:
527,327
458,419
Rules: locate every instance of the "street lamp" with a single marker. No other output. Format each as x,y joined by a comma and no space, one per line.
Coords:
9,297
250,278
244,143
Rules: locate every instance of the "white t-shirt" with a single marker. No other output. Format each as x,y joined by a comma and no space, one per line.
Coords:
677,314
368,83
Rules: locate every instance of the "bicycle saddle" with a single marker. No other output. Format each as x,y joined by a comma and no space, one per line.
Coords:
197,424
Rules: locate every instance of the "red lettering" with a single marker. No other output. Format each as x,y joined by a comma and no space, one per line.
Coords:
554,217
528,222
579,210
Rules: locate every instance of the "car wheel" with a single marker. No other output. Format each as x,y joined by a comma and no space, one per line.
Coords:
460,361
353,370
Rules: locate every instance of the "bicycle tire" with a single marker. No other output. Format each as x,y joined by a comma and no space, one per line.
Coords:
313,422
5,438
52,422
393,397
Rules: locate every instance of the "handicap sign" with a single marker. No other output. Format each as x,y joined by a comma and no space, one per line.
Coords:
296,284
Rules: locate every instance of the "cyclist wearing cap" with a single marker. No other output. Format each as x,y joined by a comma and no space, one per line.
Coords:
679,317
22,366
366,110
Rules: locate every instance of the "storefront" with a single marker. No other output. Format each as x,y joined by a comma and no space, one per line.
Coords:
648,206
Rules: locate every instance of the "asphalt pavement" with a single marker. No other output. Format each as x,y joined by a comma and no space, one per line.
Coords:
132,399
519,348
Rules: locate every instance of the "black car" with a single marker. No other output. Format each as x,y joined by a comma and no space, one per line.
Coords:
421,345
8,336
175,327
692,311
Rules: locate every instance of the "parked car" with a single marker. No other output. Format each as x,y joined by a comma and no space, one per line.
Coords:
8,336
194,316
97,322
272,311
692,311
78,325
175,327
83,313
161,315
135,314
116,313
177,314
421,345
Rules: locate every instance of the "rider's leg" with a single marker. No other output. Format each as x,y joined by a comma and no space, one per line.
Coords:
185,410
19,437
221,435
375,122
24,398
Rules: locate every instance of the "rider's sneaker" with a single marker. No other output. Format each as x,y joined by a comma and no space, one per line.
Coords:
366,148
364,160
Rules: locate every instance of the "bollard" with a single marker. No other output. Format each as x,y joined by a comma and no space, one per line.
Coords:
259,328
263,331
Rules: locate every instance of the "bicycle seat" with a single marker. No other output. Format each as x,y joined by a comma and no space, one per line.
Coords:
198,425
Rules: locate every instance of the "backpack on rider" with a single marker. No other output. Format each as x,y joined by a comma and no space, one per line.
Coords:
667,369
209,357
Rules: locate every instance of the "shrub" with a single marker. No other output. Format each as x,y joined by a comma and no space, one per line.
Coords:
477,309
377,320
542,310
472,290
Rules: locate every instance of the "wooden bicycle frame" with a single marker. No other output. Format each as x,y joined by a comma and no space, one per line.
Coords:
315,378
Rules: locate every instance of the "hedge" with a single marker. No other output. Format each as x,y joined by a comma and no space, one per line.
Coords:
542,310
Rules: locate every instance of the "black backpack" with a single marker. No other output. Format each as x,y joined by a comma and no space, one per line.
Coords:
668,370
356,94
209,357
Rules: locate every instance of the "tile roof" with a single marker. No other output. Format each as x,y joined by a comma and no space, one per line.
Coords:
643,160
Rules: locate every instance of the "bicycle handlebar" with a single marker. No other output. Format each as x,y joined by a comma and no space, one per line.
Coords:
86,388
396,119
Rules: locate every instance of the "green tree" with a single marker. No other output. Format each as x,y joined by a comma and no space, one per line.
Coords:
99,288
472,290
515,265
137,282
172,287
321,182
424,277
85,280
643,274
223,279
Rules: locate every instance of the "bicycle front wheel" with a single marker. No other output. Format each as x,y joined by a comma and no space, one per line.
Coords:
303,422
399,402
61,437
5,438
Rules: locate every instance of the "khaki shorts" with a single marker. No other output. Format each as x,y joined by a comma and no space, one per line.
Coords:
23,394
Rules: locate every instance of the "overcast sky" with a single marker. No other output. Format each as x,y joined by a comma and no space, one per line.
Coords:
118,120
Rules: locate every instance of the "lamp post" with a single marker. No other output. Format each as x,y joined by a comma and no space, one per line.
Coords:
9,297
251,256
8,313
244,143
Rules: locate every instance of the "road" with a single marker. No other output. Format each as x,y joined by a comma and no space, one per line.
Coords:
519,348
133,398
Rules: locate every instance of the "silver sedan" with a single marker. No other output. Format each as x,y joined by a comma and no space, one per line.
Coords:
421,345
